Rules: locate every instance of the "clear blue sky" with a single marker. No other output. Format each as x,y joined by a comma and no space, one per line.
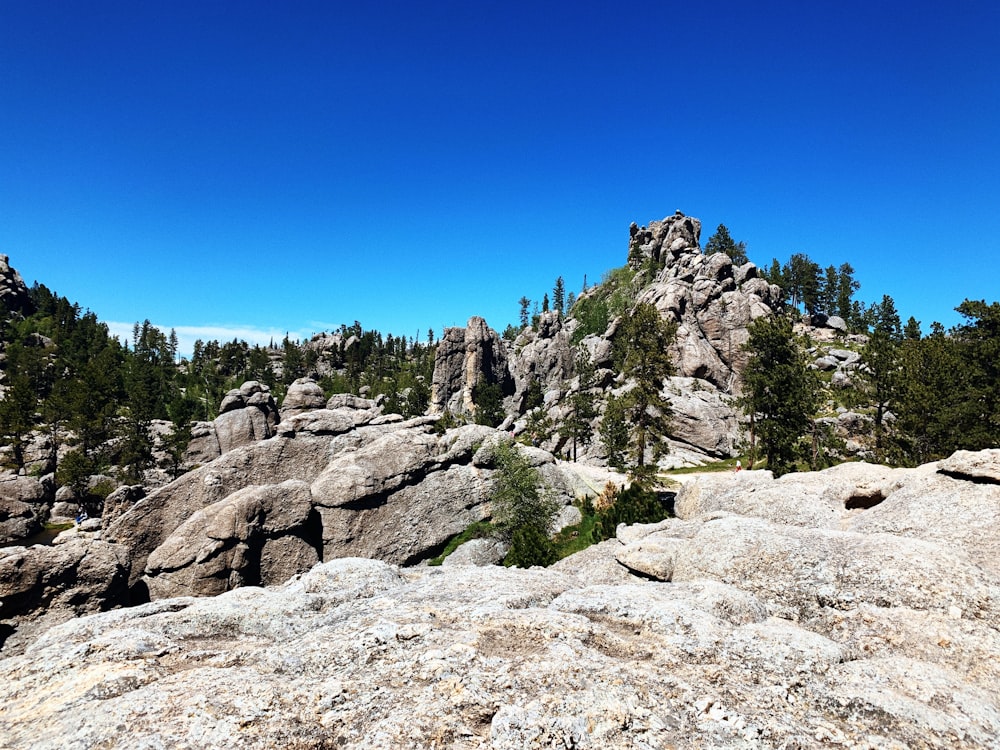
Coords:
270,167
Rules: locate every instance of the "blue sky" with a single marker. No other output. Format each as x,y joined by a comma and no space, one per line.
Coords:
249,169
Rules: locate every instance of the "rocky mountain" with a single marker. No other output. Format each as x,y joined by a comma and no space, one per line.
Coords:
711,301
854,607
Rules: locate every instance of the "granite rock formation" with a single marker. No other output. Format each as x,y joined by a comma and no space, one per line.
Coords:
334,482
464,358
863,615
712,301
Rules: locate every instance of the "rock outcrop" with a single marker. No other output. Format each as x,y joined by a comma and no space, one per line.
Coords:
770,614
334,482
247,414
712,301
41,586
466,356
14,296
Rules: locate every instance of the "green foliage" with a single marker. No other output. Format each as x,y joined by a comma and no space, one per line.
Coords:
801,277
578,537
538,426
637,504
602,304
488,400
74,471
518,499
559,296
614,432
476,530
528,547
641,353
950,394
523,304
577,424
881,373
533,396
780,393
722,242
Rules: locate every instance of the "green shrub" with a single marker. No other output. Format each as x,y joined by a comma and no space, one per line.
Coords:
634,505
529,546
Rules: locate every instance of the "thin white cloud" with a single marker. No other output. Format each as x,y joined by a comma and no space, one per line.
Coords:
187,335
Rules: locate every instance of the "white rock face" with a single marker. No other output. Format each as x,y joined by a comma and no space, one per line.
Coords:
737,632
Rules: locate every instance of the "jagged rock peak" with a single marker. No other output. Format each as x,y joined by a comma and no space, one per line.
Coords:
673,235
13,292
466,356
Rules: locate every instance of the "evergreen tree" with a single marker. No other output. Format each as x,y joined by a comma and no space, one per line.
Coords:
488,400
846,287
17,415
829,290
524,302
577,425
801,277
722,242
931,404
780,393
641,353
559,296
521,506
882,367
293,362
615,432
980,337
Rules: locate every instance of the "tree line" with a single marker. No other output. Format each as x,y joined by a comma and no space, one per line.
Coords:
92,399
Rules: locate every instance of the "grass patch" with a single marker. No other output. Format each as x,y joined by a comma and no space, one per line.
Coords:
59,526
578,537
728,464
477,530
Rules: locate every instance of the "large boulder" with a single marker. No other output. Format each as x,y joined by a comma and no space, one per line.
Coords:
23,507
256,536
41,586
303,395
247,415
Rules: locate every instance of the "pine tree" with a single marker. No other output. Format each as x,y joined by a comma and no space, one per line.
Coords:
524,302
980,336
882,367
641,352
780,393
722,242
846,287
559,296
578,424
614,432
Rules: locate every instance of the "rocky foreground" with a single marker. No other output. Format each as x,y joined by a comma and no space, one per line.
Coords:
856,607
